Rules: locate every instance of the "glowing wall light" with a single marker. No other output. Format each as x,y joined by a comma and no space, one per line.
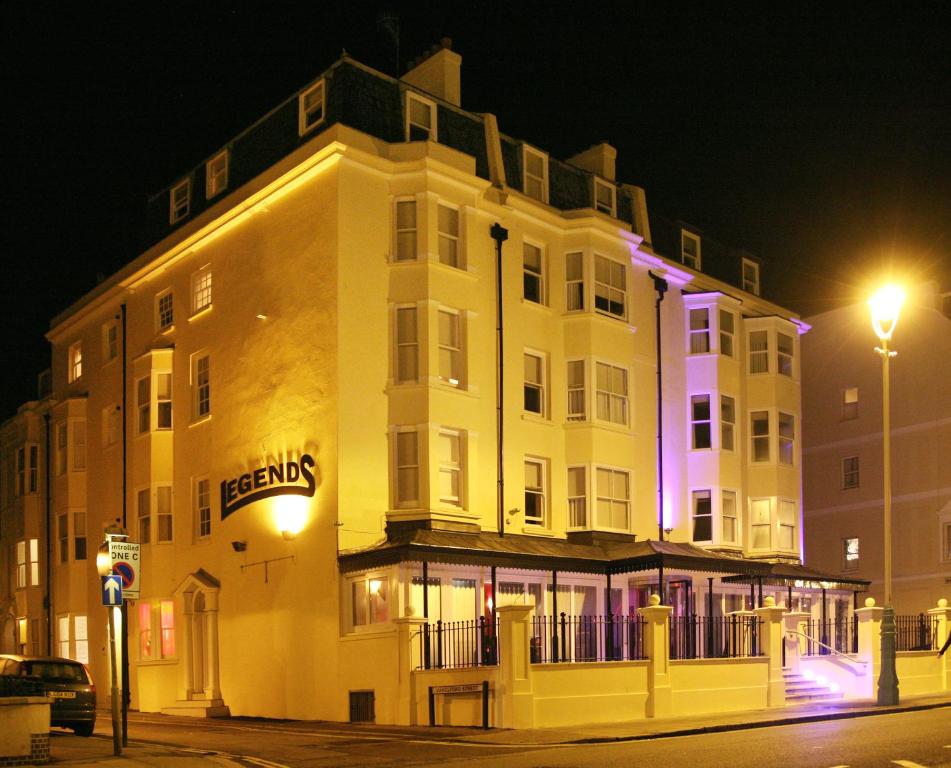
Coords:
290,515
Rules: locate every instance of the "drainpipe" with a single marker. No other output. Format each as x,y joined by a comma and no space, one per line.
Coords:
660,285
126,693
48,597
500,235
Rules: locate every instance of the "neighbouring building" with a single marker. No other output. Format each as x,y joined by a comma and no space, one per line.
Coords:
843,454
326,415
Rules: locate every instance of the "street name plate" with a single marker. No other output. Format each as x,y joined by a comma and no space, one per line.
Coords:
467,688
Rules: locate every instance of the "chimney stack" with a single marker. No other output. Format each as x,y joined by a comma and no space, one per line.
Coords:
438,72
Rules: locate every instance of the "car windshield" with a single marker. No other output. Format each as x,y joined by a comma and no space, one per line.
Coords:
55,670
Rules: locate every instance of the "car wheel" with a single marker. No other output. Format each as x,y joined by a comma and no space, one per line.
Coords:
83,729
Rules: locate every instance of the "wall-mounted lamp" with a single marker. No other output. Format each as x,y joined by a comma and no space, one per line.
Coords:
668,531
289,535
290,515
103,559
239,546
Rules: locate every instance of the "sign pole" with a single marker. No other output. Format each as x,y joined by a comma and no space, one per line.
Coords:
116,746
126,695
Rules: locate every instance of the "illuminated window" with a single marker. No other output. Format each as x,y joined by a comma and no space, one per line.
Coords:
850,403
787,438
62,633
21,565
450,468
699,331
730,528
450,348
203,507
759,523
179,201
143,389
726,333
850,472
79,535
216,174
201,289
576,391
611,393
163,499
610,285
536,496
751,277
145,631
577,498
534,384
850,554
81,639
34,562
167,614
612,509
75,356
784,354
787,525
370,601
201,385
690,249
407,469
311,105
533,273
605,196
574,282
144,515
759,352
164,311
702,516
62,528
447,220
759,435
700,431
407,345
79,444
61,449
727,422
110,341
406,230
420,118
535,177
163,401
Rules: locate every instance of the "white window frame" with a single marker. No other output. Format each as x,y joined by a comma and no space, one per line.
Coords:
613,400
200,390
608,291
944,542
409,124
727,336
767,525
539,492
201,500
850,403
201,289
577,401
164,514
761,355
80,521
402,232
785,361
542,180
697,495
534,275
450,468
759,438
216,174
62,449
610,208
786,443
727,426
179,201
362,591
413,467
163,399
110,341
699,332
165,311
851,555
735,517
851,473
574,283
451,239
143,515
62,535
610,498
750,282
537,360
111,424
699,424
307,107
405,347
577,503
692,260
451,349
77,445
143,404
74,368
782,526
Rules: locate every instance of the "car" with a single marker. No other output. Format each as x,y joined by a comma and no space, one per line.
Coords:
65,681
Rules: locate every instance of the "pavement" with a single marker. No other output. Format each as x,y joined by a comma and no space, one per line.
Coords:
98,750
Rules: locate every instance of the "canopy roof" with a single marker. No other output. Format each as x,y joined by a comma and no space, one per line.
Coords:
793,575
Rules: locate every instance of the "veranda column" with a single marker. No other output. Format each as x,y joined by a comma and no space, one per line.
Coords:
794,623
657,650
409,653
213,682
186,651
772,645
515,706
942,617
870,644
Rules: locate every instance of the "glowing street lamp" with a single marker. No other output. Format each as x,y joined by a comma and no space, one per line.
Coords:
885,307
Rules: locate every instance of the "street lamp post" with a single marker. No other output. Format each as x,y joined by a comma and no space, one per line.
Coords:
885,306
104,566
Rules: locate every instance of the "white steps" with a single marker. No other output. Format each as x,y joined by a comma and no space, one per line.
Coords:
801,690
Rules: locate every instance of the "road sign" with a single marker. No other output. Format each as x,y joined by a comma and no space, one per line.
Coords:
125,564
111,590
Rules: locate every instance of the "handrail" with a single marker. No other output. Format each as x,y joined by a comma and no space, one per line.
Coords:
832,651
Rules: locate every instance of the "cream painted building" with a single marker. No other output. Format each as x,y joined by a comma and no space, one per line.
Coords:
844,452
294,401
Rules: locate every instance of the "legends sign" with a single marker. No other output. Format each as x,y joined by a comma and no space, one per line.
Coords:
266,482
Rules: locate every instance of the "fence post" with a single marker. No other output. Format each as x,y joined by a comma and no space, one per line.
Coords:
657,650
515,699
870,644
771,643
793,623
409,642
942,618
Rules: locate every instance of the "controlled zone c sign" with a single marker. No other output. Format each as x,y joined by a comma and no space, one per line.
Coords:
125,564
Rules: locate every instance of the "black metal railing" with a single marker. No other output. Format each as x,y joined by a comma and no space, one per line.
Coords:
916,633
717,637
586,638
458,644
842,634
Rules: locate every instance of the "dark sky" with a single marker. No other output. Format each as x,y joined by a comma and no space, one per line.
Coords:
818,140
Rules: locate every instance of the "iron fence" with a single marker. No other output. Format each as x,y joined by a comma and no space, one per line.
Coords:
458,644
586,638
716,637
916,633
842,634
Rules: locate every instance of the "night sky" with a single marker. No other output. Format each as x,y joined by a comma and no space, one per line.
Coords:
819,141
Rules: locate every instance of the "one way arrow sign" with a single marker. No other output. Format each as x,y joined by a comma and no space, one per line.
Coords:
112,589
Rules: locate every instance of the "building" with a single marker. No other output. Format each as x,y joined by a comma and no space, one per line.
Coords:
382,363
843,454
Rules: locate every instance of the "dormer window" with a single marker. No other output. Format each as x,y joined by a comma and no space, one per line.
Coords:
751,277
690,249
535,176
605,199
216,174
311,108
420,118
179,201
